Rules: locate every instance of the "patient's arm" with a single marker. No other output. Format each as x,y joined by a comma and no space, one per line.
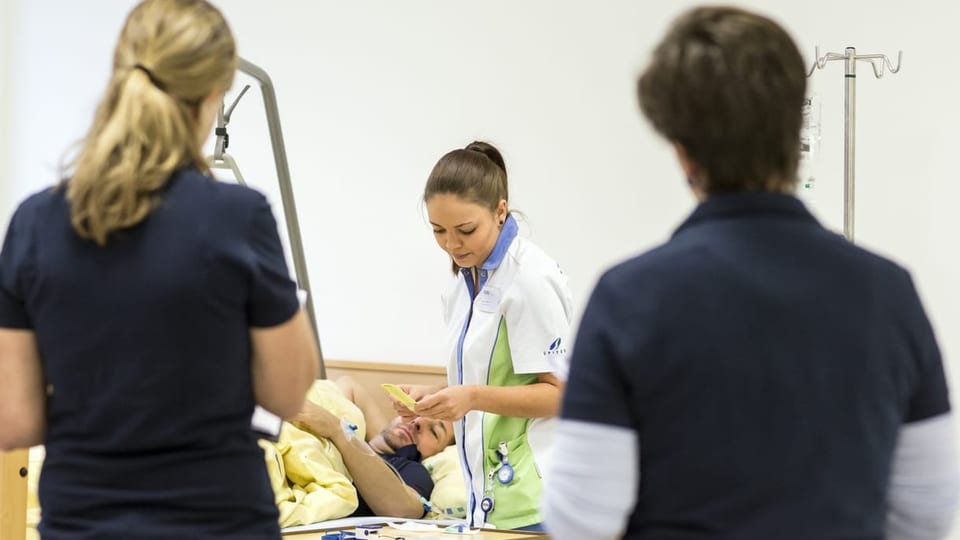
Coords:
377,483
372,413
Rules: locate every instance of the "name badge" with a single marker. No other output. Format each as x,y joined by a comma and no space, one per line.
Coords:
488,300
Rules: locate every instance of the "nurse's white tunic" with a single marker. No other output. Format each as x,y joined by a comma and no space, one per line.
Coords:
514,327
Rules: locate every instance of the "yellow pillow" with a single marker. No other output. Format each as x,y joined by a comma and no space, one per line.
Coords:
449,497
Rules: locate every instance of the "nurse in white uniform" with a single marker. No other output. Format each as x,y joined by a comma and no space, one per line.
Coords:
507,312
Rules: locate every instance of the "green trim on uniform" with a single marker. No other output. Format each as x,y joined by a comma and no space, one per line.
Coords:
516,504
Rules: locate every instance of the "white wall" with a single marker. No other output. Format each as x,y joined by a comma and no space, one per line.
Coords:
7,28
60,62
373,92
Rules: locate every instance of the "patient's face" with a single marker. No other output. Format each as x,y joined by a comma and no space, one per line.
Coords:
430,436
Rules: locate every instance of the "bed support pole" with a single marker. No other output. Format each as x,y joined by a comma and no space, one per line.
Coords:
221,160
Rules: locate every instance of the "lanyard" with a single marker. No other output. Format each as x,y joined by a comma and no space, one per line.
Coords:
503,472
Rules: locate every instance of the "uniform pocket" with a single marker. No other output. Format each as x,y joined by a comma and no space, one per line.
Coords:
517,502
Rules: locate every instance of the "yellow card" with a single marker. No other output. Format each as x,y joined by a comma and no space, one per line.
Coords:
399,395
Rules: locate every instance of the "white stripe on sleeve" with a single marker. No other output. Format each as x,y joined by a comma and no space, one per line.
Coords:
590,487
924,490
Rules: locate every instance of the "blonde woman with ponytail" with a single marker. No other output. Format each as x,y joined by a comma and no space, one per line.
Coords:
145,308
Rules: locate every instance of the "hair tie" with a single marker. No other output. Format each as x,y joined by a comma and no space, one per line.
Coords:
149,74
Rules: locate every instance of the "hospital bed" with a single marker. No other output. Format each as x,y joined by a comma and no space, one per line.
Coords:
16,501
311,483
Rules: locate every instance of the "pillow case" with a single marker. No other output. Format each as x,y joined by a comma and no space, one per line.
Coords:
449,497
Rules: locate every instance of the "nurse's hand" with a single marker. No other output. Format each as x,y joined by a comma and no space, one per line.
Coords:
451,403
417,392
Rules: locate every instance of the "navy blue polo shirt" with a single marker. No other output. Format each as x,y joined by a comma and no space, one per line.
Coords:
146,351
767,365
408,464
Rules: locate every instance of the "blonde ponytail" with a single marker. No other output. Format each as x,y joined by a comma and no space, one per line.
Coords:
170,56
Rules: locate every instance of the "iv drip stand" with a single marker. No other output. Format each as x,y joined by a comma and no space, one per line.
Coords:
879,62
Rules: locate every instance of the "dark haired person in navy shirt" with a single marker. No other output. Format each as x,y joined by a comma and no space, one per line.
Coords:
146,308
757,376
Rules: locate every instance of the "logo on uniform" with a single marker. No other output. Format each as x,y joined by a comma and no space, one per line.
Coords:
556,347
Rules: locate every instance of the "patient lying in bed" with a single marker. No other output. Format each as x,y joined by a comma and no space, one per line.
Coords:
321,471
316,478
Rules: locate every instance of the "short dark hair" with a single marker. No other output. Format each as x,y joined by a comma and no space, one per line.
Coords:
728,86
